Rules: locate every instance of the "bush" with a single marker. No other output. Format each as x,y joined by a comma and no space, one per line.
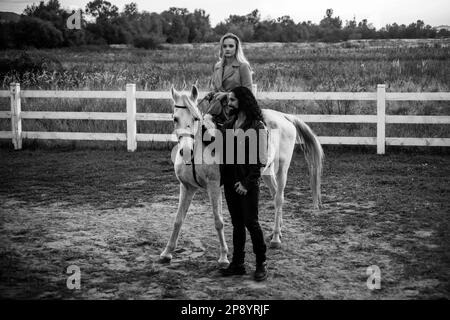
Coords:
147,42
24,62
73,38
34,32
7,39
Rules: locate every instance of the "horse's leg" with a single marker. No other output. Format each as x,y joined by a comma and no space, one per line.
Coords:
186,195
271,183
279,200
215,196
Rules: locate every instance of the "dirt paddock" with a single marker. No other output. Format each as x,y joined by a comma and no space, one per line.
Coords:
111,213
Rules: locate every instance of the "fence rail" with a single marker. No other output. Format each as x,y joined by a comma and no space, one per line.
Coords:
131,116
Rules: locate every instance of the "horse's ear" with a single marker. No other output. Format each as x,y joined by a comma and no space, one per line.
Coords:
175,94
194,93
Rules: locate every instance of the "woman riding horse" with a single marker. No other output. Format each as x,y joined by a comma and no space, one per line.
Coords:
233,70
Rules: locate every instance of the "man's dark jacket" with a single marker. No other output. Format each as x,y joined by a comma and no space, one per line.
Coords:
247,173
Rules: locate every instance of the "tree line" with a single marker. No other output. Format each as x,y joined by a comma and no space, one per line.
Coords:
44,26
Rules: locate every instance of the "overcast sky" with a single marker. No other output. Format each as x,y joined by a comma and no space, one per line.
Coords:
378,12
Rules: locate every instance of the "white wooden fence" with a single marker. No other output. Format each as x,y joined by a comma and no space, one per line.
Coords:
132,137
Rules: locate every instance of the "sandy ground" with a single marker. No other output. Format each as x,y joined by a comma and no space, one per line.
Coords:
111,213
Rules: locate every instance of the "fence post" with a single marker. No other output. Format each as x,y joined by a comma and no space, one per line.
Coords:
16,118
131,117
381,118
254,89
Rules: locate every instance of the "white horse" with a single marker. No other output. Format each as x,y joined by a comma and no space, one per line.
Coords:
283,132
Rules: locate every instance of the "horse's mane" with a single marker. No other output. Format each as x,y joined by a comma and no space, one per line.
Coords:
192,108
208,121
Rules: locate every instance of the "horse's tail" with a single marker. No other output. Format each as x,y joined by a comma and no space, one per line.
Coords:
314,156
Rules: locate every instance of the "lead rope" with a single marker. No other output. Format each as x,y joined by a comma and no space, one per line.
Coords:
193,156
193,151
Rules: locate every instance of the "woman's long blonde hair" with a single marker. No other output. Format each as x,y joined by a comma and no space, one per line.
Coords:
239,52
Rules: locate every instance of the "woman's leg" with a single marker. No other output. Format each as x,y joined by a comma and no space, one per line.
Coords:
234,203
250,211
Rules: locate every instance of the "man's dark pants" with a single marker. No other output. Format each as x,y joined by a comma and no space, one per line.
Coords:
244,214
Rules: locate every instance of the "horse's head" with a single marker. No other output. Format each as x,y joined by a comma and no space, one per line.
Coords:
185,115
185,111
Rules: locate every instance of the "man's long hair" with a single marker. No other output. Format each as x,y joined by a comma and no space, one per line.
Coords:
249,105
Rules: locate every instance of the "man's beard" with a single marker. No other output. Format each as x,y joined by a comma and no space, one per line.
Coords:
233,111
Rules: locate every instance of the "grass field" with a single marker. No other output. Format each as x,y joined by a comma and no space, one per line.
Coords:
357,66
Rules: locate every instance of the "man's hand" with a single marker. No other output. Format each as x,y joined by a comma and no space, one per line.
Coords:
240,188
220,95
209,95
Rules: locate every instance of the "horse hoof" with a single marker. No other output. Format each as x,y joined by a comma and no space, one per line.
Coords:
223,265
164,260
275,245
